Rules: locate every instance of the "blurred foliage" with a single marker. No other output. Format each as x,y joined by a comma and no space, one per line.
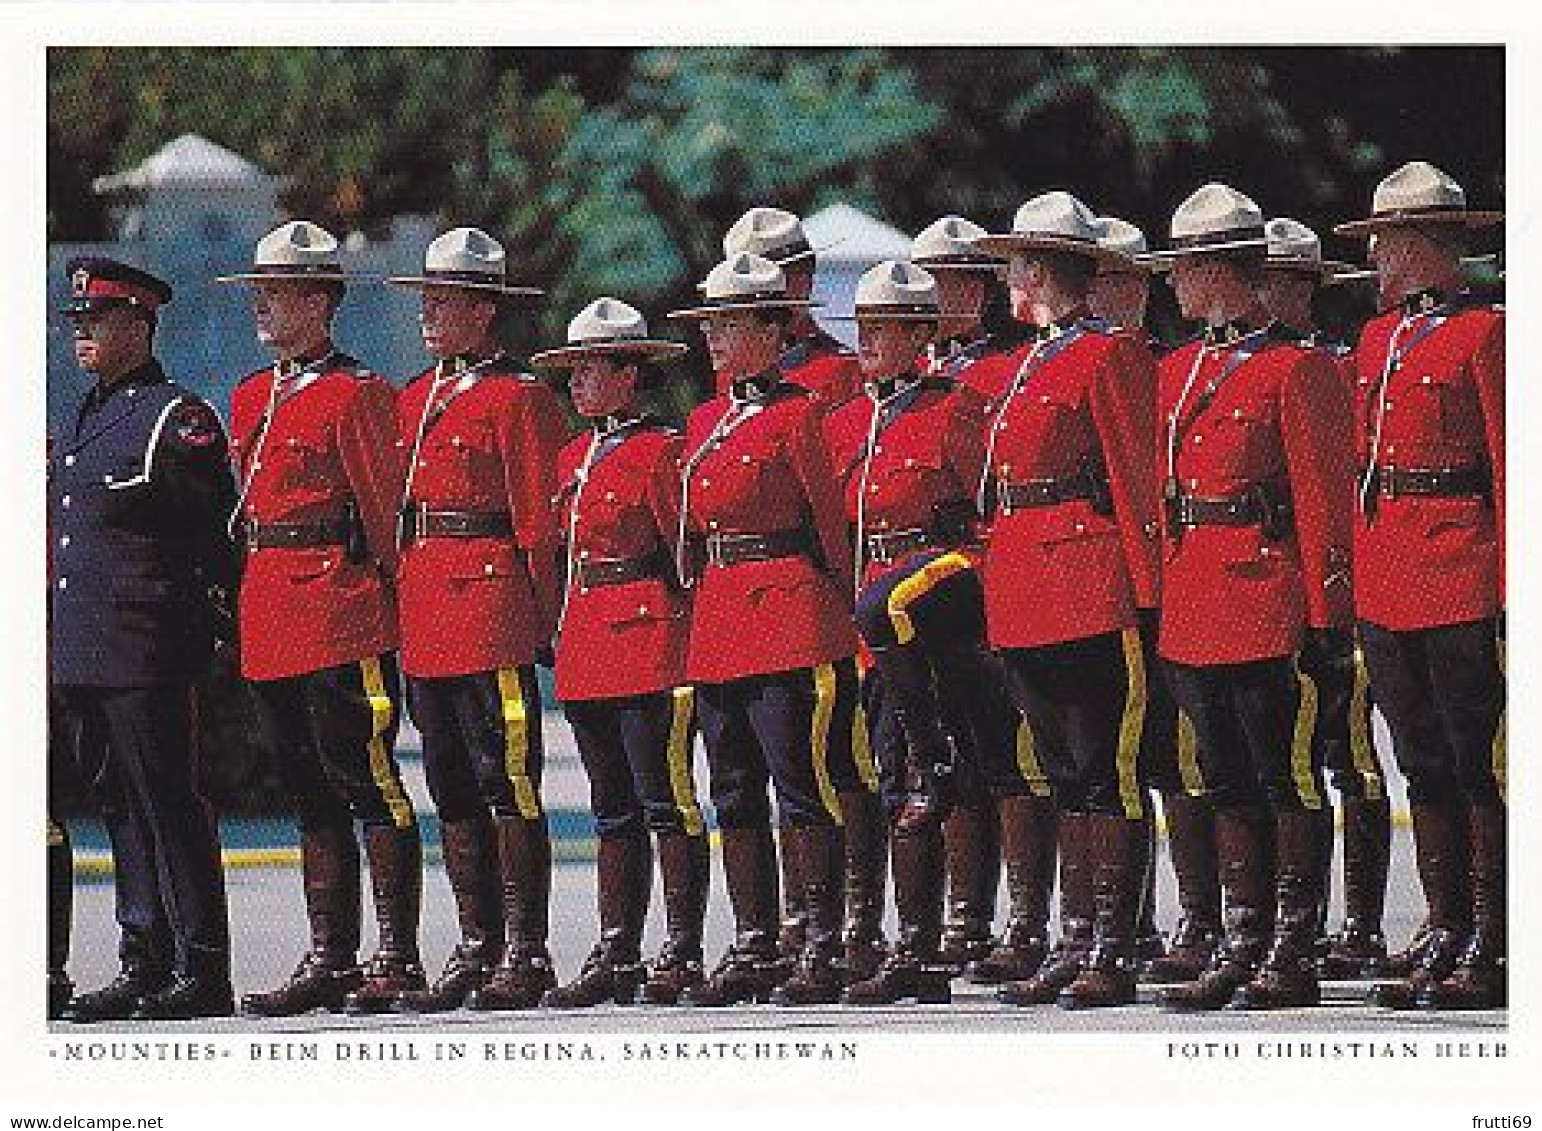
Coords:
618,169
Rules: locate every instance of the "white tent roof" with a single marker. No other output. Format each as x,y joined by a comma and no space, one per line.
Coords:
189,160
854,236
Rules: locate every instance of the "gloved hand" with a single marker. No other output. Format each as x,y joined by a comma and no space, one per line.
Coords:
1328,651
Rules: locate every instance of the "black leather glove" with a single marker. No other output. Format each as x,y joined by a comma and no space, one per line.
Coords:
1327,651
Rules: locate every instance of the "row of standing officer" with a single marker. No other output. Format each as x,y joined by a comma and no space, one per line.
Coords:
790,714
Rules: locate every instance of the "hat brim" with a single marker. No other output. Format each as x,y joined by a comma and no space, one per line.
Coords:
1329,271
1126,264
1004,244
1159,261
983,265
79,307
749,304
421,282
648,349
1370,225
888,316
278,276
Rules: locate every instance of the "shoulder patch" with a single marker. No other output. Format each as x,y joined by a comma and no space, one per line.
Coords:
193,424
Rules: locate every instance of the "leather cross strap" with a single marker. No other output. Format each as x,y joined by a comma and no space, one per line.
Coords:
889,546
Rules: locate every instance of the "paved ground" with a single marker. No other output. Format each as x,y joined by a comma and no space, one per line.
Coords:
269,934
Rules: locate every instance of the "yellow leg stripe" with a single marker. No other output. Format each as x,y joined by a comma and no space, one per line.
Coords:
1361,754
381,766
1301,743
1188,757
862,751
1028,761
681,787
1498,755
1130,727
516,744
819,739
916,586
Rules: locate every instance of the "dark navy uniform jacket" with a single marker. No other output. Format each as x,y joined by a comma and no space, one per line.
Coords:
139,492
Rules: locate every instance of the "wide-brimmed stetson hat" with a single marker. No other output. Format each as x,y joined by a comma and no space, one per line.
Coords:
1293,247
466,258
897,291
1128,241
608,327
948,244
296,250
743,282
1418,194
1215,219
771,233
1051,221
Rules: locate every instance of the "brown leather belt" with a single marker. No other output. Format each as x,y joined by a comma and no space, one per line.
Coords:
292,535
594,572
889,546
1446,482
1023,494
1248,509
422,522
736,549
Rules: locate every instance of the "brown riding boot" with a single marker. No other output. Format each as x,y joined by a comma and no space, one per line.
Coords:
867,856
1028,840
913,970
1479,982
1150,946
793,928
971,838
1359,950
329,971
471,866
1060,967
1191,846
1115,849
1244,852
817,978
396,879
683,867
1443,851
749,969
613,970
524,971
1287,978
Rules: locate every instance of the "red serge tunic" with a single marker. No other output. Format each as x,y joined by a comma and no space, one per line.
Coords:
925,463
1278,418
1422,560
827,369
619,497
1080,401
319,444
766,472
483,441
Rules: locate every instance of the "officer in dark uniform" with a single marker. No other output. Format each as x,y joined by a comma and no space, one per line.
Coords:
138,489
1294,272
1429,571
